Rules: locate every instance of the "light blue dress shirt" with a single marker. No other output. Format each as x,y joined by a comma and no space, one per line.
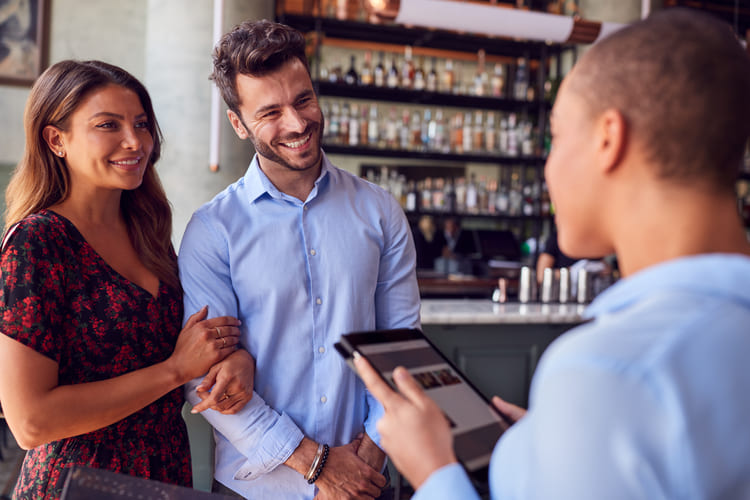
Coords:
650,400
298,275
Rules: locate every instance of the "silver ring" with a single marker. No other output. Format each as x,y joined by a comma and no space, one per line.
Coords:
224,340
218,333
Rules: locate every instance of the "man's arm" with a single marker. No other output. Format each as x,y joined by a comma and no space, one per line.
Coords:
265,437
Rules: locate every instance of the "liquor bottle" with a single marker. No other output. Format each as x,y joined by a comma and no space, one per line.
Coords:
426,121
457,133
354,126
503,137
379,71
449,77
521,84
407,69
439,139
420,82
335,72
344,124
391,129
334,124
478,139
364,124
497,81
403,133
415,132
392,80
481,81
490,133
490,202
482,195
373,126
449,196
501,202
412,197
366,77
426,195
471,195
351,77
432,77
438,202
460,195
513,133
468,135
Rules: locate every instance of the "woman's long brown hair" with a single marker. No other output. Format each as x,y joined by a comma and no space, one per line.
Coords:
41,179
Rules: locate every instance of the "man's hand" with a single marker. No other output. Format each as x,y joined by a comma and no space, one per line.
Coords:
347,476
228,386
414,432
371,453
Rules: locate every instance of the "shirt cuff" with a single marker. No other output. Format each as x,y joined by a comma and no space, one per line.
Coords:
272,452
448,482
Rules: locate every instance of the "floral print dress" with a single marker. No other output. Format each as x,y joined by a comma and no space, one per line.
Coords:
60,298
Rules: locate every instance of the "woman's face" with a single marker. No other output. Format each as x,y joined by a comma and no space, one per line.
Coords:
107,144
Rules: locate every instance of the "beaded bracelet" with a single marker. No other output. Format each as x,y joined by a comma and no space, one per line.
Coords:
321,465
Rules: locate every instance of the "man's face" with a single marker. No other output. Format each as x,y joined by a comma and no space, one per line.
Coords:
281,117
570,172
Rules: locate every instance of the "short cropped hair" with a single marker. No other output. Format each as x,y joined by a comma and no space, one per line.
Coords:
681,79
254,48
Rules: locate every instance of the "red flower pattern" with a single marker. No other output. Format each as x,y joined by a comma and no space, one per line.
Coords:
60,298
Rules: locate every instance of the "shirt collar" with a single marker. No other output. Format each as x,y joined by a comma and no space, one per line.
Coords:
257,183
723,275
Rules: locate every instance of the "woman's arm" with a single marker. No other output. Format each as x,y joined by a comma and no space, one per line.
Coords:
39,410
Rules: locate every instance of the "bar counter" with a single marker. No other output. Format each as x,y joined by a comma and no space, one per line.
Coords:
479,311
496,345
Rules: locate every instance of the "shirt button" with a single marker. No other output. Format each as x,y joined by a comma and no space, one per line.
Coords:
323,399
321,349
312,252
306,207
318,301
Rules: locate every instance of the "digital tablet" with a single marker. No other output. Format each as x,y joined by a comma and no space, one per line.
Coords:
475,423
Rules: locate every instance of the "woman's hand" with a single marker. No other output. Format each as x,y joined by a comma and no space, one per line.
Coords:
511,412
228,386
414,431
202,344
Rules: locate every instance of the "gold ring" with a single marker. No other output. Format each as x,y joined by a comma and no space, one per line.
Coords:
224,340
218,333
226,396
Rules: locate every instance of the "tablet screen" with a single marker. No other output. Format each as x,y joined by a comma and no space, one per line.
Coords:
475,424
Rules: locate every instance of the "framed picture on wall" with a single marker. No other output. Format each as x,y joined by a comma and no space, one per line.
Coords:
24,27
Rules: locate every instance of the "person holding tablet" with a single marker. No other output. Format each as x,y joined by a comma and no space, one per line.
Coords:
649,398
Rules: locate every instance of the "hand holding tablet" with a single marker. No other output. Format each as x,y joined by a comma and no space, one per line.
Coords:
436,416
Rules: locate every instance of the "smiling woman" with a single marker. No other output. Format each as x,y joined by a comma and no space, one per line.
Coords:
92,358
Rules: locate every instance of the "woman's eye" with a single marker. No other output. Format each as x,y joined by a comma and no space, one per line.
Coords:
142,124
106,125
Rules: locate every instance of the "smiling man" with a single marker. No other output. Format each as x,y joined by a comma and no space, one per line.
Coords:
301,252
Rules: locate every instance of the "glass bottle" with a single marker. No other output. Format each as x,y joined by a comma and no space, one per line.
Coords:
521,84
497,81
379,71
407,69
373,126
419,77
352,77
392,80
353,139
366,77
432,77
449,77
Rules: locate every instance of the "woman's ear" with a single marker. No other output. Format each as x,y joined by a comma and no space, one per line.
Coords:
53,137
612,134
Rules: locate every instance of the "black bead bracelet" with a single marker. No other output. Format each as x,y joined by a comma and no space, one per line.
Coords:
320,466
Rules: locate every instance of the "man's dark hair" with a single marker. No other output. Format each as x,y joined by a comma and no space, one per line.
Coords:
681,79
254,48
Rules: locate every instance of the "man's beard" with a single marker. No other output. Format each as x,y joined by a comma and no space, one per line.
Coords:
266,151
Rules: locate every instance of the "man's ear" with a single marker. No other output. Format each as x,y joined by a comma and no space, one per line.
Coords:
237,125
53,137
612,137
